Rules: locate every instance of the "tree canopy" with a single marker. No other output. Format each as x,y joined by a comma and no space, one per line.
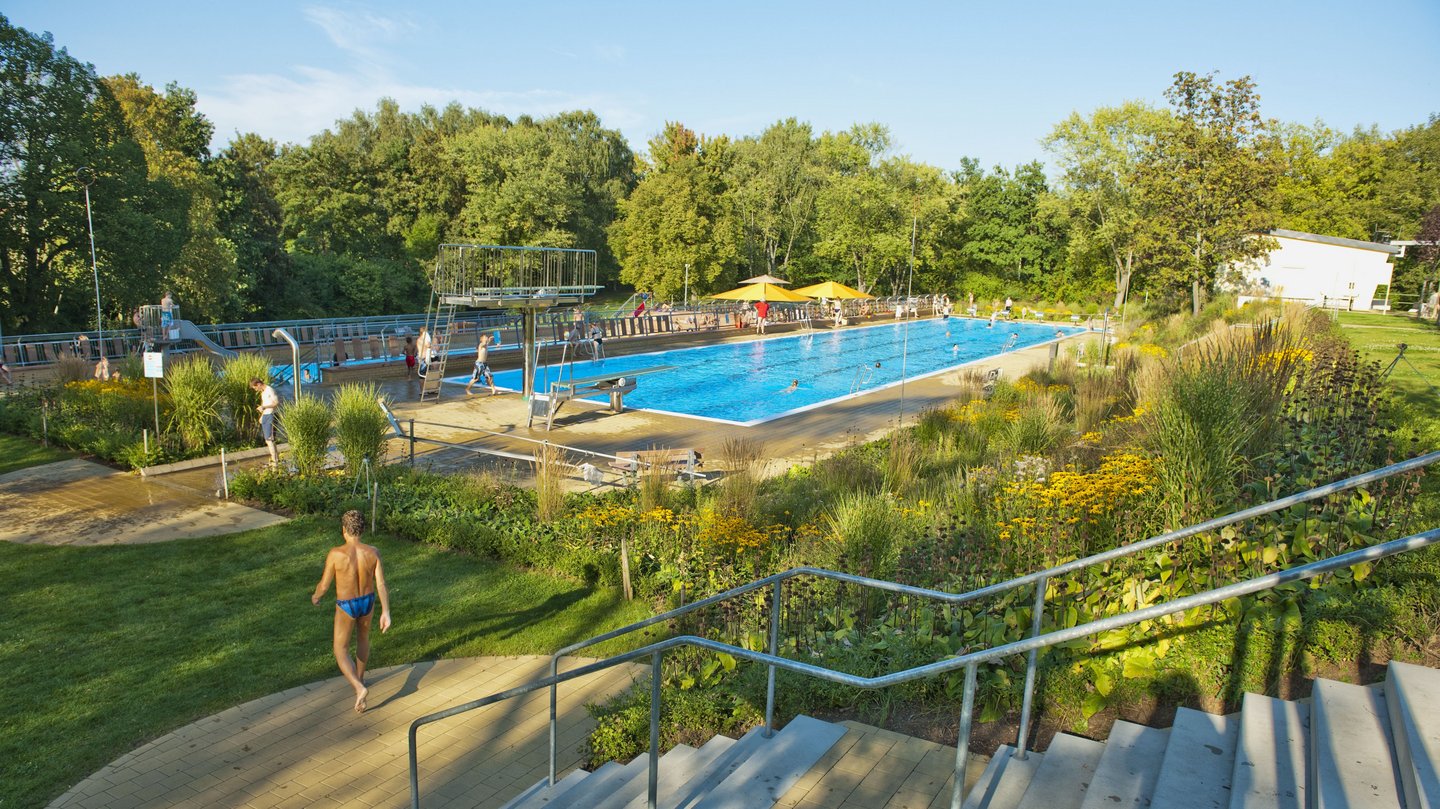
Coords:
1160,199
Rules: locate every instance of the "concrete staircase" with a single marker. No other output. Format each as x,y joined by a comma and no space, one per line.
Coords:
722,774
1345,746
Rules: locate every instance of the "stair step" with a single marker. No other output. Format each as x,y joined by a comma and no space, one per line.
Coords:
541,793
717,770
1198,761
675,760
600,783
1128,768
1271,755
783,759
675,780
1004,781
1412,695
1351,763
1062,778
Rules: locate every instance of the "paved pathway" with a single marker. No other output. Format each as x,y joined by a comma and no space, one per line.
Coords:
306,748
79,502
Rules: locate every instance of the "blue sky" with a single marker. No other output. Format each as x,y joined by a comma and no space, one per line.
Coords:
986,80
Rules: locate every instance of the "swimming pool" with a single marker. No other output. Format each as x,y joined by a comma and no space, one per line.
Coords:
748,383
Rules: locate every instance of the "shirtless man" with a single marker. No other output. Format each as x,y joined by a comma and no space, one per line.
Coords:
358,576
482,366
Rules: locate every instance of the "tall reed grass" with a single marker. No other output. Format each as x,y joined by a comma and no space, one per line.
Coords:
306,424
361,428
196,398
549,464
1212,412
240,400
742,459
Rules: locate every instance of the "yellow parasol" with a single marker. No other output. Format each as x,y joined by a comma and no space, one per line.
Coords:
832,289
761,292
765,279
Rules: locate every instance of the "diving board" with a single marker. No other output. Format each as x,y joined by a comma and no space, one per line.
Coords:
615,385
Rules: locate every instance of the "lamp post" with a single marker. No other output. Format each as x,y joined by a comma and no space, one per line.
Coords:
687,285
85,176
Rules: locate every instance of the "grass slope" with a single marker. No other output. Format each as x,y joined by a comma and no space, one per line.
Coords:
1376,337
19,453
105,648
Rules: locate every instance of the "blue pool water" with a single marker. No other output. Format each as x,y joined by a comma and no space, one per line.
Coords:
747,383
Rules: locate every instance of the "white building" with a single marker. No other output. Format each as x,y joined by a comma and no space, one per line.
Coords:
1322,271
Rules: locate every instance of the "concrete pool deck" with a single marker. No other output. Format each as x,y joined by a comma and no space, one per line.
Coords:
801,437
79,502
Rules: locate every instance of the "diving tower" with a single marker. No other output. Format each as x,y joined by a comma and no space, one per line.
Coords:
524,279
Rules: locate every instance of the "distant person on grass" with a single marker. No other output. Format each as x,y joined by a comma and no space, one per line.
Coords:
359,578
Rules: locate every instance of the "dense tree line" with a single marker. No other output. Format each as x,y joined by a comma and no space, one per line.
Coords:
1143,198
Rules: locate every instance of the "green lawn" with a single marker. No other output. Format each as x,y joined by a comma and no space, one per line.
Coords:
104,648
1377,337
18,453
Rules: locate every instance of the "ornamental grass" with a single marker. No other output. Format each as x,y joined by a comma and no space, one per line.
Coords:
196,402
307,426
361,429
241,400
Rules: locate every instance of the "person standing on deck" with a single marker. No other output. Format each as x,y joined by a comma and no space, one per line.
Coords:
762,310
269,403
359,577
482,367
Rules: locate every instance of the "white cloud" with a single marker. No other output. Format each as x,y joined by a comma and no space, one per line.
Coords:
358,31
291,106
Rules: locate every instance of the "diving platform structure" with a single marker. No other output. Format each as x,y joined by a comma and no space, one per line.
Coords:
525,279
613,385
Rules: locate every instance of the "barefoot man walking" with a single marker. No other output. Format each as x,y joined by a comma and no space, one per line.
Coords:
355,568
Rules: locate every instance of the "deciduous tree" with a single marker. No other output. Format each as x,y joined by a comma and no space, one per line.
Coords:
1213,176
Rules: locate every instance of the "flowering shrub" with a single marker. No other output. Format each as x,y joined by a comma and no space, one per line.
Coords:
1073,512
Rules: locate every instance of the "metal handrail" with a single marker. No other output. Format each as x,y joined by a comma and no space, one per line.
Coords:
1039,579
970,661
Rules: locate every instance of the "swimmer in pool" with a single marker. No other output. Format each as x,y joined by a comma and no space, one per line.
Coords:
794,386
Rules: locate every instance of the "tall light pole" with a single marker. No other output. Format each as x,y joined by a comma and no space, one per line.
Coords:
86,177
687,285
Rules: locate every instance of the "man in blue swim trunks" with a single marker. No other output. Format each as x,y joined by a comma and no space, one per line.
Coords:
359,577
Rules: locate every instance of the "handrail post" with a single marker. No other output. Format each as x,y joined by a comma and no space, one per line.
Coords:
414,770
775,604
962,745
654,788
1031,659
554,714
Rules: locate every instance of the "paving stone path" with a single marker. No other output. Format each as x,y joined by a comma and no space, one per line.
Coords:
305,747
78,502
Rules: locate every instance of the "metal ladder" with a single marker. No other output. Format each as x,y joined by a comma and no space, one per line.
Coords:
440,323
